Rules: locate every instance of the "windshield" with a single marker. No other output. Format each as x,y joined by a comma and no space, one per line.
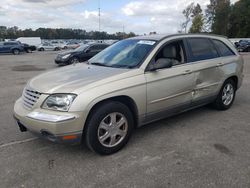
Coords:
81,48
126,53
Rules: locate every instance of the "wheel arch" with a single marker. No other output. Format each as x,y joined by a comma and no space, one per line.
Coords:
126,100
75,56
15,49
234,78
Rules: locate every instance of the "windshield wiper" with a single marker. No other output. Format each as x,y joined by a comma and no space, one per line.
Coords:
124,66
99,64
114,65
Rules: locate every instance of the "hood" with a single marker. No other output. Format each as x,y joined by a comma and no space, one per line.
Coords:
65,53
70,78
72,52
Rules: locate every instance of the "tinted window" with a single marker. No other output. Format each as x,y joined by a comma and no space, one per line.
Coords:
10,43
81,48
94,47
98,47
202,49
101,47
223,48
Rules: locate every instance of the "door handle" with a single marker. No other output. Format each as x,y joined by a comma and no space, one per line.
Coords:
219,65
187,72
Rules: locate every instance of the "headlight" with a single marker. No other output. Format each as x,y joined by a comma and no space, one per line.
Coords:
60,102
66,56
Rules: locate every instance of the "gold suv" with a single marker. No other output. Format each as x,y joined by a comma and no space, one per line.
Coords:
131,83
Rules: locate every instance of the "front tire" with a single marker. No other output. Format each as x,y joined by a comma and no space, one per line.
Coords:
109,128
226,96
16,52
74,60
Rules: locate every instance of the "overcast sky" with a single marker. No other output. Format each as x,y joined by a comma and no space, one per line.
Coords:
139,16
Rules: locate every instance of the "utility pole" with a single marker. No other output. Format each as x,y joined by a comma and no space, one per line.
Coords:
99,14
123,31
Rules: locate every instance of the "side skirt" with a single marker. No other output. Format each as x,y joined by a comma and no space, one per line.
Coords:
168,112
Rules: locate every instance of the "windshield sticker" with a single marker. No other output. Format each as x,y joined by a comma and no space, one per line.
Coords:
147,42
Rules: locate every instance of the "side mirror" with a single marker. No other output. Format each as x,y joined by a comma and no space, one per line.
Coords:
161,63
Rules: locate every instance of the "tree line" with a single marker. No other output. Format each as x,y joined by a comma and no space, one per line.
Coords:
60,33
220,17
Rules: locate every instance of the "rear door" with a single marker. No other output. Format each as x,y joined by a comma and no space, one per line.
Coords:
205,62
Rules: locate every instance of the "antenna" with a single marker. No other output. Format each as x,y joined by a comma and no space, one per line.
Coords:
99,14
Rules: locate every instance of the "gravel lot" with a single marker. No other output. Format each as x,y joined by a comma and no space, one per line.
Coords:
199,148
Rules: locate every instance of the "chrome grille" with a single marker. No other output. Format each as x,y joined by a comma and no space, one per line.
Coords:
30,97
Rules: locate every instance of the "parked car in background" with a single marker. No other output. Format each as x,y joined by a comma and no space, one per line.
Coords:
80,54
243,46
72,45
60,44
28,48
131,83
48,47
11,47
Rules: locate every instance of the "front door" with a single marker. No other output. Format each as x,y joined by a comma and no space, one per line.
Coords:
6,47
169,89
2,47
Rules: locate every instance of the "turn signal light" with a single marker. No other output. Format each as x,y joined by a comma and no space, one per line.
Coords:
69,137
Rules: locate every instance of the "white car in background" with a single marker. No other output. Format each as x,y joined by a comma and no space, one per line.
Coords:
32,41
48,47
60,44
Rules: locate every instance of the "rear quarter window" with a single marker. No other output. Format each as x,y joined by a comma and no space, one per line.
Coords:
201,49
223,48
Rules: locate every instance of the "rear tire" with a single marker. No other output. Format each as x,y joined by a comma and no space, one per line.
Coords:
109,128
226,96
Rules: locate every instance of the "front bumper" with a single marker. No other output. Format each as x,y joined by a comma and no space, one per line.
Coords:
61,61
49,124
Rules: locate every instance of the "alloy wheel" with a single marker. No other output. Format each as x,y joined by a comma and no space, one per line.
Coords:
228,94
113,129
